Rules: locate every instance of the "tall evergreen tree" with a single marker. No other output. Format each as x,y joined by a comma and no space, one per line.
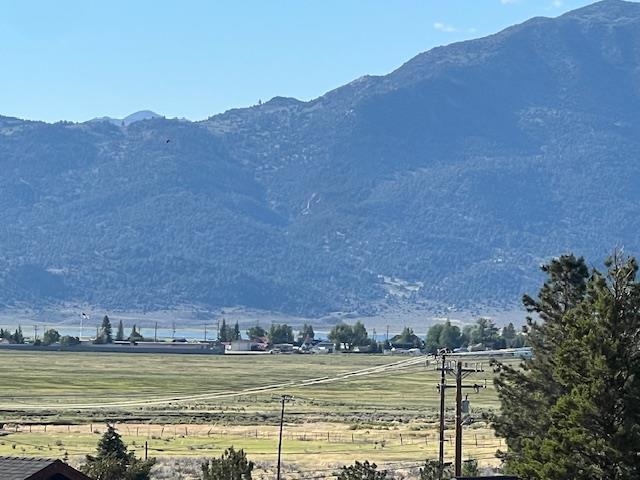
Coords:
120,332
573,410
105,335
236,331
223,332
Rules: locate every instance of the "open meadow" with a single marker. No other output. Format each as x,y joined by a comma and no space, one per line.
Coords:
344,407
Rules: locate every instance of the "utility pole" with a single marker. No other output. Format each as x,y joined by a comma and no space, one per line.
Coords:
205,332
443,386
155,333
460,373
458,458
283,399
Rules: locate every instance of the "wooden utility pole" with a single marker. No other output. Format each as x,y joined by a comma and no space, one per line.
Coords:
458,460
283,399
443,387
460,373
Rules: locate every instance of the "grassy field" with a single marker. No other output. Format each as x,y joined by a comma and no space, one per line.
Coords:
345,407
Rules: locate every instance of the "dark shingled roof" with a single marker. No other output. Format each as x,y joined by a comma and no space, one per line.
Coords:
19,468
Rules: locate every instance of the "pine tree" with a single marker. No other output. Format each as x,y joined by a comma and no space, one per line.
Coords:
432,470
105,335
113,461
231,465
223,334
573,411
236,331
120,332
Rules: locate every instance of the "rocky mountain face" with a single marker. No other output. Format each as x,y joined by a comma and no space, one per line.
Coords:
446,182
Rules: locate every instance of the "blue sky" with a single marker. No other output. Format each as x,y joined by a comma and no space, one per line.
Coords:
79,59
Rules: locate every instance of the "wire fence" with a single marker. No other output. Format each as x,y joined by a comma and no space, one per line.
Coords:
185,438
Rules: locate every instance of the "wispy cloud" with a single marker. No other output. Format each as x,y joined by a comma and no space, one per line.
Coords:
557,3
443,27
509,2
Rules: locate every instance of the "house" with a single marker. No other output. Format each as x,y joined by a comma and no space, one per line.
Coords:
283,347
19,468
236,346
323,347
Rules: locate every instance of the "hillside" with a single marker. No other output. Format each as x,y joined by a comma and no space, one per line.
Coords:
446,182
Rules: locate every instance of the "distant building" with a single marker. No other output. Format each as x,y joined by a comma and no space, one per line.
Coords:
283,347
238,346
323,347
19,468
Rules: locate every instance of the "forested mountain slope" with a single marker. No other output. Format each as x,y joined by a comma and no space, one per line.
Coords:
448,180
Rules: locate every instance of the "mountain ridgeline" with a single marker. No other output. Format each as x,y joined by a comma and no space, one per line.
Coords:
446,182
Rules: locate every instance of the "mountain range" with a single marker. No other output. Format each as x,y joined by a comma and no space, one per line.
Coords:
445,183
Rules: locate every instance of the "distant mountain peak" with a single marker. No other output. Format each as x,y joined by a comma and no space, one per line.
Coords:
129,119
283,101
607,10
139,116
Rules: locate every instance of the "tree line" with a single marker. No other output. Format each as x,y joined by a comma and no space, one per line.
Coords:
483,334
480,335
